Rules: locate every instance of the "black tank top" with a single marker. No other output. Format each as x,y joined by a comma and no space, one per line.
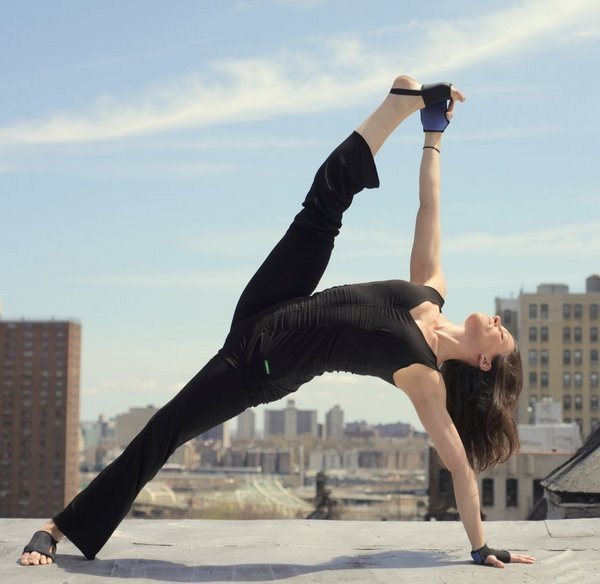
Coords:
359,328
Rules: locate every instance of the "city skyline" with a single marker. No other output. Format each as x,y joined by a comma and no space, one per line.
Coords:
278,406
149,162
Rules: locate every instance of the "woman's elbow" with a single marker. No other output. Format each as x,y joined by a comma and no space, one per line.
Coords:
461,471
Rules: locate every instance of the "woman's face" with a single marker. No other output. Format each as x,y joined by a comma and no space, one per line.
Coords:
488,336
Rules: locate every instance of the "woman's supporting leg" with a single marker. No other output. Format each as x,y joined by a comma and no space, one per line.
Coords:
298,261
216,394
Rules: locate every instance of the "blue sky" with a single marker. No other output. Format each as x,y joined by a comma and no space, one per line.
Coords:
151,153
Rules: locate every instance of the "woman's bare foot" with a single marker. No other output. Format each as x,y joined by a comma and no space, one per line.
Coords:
394,110
406,104
37,558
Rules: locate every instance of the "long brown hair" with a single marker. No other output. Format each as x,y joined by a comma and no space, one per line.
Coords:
482,405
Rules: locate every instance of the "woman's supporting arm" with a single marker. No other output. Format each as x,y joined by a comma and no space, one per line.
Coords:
428,394
426,390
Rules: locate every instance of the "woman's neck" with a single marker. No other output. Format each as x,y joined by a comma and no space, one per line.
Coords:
451,342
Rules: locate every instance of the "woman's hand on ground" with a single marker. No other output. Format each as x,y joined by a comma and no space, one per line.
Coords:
493,561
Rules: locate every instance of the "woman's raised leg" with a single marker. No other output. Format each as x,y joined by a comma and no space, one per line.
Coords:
298,261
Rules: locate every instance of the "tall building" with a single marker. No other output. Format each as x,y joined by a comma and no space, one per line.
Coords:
334,424
307,423
220,433
128,425
557,332
290,422
39,416
513,490
246,421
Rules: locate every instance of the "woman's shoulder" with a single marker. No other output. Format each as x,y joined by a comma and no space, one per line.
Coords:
420,382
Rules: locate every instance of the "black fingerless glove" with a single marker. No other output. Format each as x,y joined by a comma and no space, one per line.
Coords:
484,551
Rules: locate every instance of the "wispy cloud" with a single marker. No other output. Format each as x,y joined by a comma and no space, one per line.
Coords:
228,143
244,5
203,279
132,384
580,239
260,88
563,241
577,240
530,25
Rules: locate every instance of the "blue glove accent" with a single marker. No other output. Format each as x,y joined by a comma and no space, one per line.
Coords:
477,557
433,117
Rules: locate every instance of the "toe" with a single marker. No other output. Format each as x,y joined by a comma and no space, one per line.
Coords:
456,94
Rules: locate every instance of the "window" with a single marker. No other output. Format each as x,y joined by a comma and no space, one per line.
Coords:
566,311
543,311
544,382
533,311
594,379
487,492
544,356
578,356
533,357
594,356
577,311
594,334
578,402
566,334
532,379
566,380
578,380
595,423
446,488
512,493
506,316
594,403
544,334
566,357
593,311
533,333
577,334
566,402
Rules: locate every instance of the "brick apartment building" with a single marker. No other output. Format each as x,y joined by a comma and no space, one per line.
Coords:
39,416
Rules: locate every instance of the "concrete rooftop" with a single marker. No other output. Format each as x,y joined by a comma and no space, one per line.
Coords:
295,551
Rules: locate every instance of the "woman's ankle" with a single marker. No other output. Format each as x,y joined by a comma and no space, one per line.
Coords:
52,528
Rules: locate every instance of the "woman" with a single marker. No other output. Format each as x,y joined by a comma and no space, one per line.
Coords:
283,335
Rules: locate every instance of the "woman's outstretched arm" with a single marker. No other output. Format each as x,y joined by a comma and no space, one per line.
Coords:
425,259
426,390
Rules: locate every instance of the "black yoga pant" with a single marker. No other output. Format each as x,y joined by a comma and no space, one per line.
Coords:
216,394
219,391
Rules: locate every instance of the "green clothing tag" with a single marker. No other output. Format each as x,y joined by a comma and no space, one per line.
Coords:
267,368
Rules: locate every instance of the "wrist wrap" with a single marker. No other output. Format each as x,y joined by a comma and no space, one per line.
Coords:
484,551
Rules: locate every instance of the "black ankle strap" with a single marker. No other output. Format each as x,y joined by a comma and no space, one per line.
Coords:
402,91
